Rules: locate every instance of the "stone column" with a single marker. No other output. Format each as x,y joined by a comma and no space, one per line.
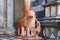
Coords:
5,13
10,15
27,6
1,13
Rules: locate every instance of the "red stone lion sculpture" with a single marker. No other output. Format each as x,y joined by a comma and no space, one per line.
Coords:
30,25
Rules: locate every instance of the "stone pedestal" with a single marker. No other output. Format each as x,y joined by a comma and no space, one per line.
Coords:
29,38
33,38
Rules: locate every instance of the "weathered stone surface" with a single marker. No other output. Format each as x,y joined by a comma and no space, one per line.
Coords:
33,38
28,38
18,10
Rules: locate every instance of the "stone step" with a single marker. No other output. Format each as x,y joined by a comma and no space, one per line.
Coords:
29,38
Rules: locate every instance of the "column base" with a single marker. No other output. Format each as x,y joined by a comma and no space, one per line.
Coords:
8,30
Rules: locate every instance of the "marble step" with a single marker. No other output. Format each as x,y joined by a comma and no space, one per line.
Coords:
29,38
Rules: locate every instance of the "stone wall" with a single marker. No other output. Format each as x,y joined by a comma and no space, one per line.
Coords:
18,10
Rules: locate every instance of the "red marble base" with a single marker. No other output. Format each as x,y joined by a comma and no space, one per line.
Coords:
28,38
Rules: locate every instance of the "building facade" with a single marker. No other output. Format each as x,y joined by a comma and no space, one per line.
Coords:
11,12
51,21
36,5
49,17
7,17
2,13
47,12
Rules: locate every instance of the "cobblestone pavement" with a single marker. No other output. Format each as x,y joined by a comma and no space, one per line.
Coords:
8,37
